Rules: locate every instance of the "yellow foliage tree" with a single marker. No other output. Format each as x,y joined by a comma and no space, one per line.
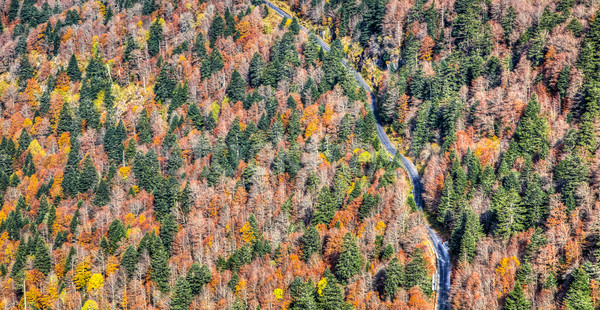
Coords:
95,283
82,274
248,234
90,305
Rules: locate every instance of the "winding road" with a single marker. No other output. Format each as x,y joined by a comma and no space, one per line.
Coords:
442,278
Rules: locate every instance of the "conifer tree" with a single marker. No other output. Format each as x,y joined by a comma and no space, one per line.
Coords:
217,29
393,278
42,261
26,72
159,268
330,295
155,37
70,183
185,199
237,87
102,197
182,295
116,233
199,47
255,70
305,298
350,261
65,120
416,272
73,69
579,294
168,229
229,24
198,276
508,211
516,299
129,261
89,176
446,205
295,26
13,10
311,243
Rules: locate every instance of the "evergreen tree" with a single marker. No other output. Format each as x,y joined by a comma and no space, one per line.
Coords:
295,26
304,299
65,120
129,261
143,128
532,132
155,37
185,199
416,272
229,24
217,29
350,261
255,70
73,69
393,278
330,295
199,47
516,299
168,229
237,87
182,295
159,268
102,196
465,235
446,205
42,261
508,211
26,72
311,243
116,233
579,294
89,176
198,277
70,183
13,10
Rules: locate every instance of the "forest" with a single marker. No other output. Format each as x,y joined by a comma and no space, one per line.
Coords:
194,154
211,155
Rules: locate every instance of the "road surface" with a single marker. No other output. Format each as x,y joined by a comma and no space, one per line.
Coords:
442,278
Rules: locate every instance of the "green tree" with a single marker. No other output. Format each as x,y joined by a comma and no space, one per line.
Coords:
416,272
304,297
42,261
311,243
394,277
350,261
73,69
70,183
26,72
198,276
199,47
13,10
182,295
156,33
217,29
295,26
237,88
168,229
129,261
516,299
159,268
89,176
579,294
116,233
255,70
143,128
102,196
330,296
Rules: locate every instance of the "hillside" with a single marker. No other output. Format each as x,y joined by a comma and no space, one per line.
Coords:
175,155
497,102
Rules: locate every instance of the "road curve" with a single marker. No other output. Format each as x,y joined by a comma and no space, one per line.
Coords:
442,279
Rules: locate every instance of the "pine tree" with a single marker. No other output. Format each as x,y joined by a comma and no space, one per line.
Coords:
65,120
230,24
295,26
159,268
516,299
446,205
217,29
155,37
532,132
304,299
74,222
198,277
116,233
311,243
330,295
13,10
73,69
350,261
508,212
199,47
168,229
70,183
42,261
129,261
26,72
579,294
185,199
102,196
237,87
143,128
216,61
182,295
89,176
416,273
255,70
393,278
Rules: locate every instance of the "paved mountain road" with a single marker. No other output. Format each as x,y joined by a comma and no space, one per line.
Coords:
442,279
